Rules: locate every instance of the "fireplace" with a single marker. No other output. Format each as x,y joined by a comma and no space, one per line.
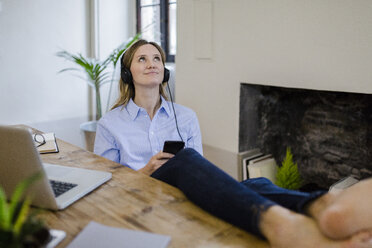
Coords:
329,133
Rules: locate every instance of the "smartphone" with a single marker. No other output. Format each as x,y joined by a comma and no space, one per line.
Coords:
171,146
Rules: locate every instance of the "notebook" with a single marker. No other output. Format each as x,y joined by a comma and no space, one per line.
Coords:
19,159
45,142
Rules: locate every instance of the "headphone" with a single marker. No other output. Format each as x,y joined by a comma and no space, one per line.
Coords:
126,75
127,78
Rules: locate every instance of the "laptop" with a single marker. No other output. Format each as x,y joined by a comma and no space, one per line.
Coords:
19,159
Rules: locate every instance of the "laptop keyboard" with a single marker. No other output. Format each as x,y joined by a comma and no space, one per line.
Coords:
61,187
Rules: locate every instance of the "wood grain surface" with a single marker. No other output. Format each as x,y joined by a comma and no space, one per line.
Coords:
138,202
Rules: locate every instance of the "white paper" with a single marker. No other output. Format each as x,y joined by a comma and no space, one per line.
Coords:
98,235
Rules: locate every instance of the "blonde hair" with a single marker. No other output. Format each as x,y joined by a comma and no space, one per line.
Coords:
126,89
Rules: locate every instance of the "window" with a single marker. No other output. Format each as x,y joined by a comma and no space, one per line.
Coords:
156,20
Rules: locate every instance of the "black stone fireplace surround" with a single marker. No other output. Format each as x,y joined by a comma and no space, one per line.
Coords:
329,133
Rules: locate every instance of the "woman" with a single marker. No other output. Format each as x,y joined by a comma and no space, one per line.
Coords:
134,131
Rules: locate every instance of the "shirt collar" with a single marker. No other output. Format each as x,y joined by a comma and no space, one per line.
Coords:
134,110
165,106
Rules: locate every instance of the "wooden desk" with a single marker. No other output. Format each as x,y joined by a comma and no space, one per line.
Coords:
135,201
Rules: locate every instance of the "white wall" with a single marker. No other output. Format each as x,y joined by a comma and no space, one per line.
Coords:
321,44
318,44
116,25
31,32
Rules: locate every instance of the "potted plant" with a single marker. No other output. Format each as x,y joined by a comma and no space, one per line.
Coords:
288,176
96,75
19,227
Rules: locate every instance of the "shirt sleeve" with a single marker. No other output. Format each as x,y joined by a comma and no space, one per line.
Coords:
195,139
105,145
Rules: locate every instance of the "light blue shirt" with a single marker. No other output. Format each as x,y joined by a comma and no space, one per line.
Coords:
128,136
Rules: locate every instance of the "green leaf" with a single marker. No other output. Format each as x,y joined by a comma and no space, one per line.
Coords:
10,212
19,190
5,219
22,216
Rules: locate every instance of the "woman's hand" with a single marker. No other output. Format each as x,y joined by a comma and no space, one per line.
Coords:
156,162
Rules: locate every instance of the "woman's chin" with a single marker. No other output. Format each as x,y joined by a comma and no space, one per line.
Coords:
149,85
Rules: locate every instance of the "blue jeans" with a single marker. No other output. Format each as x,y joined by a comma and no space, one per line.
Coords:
239,203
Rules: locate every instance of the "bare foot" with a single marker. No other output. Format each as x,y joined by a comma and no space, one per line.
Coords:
286,229
342,214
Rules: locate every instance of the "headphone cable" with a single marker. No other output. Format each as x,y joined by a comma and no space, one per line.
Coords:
174,111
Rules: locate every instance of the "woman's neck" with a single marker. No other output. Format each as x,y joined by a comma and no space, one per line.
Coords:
150,101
